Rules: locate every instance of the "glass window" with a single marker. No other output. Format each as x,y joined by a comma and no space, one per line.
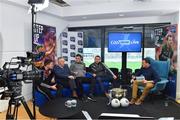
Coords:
149,42
149,39
93,36
92,44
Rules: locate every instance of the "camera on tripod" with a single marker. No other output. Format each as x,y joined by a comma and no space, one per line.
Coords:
12,74
11,77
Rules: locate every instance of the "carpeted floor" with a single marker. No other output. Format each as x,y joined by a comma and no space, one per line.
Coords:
152,108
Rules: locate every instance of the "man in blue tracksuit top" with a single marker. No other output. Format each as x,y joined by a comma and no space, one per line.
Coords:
64,76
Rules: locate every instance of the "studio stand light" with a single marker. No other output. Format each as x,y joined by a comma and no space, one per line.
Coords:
36,5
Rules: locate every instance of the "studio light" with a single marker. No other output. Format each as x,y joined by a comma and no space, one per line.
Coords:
35,1
39,5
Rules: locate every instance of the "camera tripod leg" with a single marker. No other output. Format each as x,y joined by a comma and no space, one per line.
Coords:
14,115
27,108
16,109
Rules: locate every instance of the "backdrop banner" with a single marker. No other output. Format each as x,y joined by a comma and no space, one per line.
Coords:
44,43
71,44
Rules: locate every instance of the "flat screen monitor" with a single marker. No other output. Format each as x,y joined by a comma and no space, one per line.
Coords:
124,41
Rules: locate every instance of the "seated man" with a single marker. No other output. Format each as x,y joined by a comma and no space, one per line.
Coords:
64,76
150,78
48,83
100,72
79,69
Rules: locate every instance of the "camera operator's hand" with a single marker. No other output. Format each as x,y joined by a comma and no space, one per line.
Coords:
53,87
71,77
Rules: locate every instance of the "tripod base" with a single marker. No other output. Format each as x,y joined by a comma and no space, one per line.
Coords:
14,104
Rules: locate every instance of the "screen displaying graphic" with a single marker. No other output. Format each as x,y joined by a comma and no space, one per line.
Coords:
124,42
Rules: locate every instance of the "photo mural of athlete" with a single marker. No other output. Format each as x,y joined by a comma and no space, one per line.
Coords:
167,48
44,44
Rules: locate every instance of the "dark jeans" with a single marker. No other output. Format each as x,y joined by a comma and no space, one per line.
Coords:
67,83
81,80
101,79
47,92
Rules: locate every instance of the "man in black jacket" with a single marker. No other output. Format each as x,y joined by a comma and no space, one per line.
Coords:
101,72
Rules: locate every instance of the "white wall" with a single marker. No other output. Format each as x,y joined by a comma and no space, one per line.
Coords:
15,32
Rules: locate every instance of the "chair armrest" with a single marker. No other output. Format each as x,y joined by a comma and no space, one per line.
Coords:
162,82
159,86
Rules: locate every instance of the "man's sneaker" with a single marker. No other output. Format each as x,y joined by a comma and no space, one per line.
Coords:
91,97
133,100
138,102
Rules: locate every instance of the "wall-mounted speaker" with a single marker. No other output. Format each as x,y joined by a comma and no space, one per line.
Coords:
35,1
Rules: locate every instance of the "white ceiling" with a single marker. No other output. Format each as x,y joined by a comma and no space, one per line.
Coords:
91,2
107,9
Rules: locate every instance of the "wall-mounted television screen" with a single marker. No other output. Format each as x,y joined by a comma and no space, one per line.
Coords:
124,41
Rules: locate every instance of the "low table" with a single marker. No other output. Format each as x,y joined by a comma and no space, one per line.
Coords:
56,108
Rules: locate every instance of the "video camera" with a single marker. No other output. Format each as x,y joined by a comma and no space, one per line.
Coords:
12,74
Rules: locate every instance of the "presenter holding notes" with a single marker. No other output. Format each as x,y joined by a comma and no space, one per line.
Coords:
146,77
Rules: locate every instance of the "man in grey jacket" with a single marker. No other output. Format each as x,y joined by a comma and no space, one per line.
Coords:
79,69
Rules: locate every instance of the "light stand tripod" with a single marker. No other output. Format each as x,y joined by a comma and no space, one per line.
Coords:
33,83
15,101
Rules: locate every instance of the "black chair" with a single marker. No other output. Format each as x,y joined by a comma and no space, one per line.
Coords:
125,76
115,71
88,70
